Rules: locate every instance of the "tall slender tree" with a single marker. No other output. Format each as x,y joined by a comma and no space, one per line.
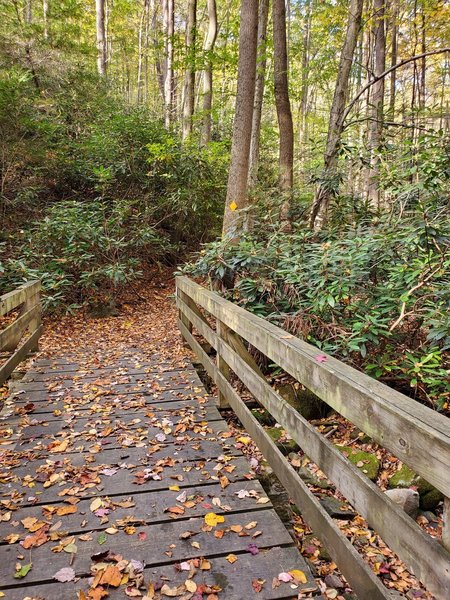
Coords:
169,26
377,102
263,17
208,71
284,113
101,37
328,183
189,81
235,217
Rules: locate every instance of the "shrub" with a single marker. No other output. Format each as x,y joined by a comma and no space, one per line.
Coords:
377,296
87,250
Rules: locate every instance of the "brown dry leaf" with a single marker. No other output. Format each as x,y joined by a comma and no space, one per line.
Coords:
232,558
111,576
37,539
251,525
236,528
66,510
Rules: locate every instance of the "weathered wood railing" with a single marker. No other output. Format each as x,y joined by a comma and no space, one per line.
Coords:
21,336
415,434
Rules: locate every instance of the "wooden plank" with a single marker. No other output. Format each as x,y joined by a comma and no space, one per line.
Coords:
12,300
184,473
149,507
10,336
75,372
19,355
350,563
423,555
235,580
414,433
159,538
120,383
222,366
40,438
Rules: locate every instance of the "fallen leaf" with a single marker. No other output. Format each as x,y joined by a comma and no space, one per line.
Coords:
212,519
231,558
64,575
23,571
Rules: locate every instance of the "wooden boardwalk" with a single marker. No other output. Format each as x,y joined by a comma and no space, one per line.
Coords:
107,475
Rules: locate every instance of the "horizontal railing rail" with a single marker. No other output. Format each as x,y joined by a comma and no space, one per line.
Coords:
417,435
21,334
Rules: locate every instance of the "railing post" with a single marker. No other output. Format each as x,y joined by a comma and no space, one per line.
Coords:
222,366
35,323
446,524
183,318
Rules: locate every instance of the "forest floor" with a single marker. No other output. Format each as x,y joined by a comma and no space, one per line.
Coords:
146,318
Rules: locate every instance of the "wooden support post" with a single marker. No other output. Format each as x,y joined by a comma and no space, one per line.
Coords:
183,318
224,369
446,524
35,322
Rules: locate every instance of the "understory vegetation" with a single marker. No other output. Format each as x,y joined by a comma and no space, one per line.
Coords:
375,294
95,192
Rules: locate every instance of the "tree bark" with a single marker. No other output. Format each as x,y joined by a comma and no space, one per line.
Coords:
325,189
284,114
303,124
142,50
235,216
394,50
208,72
189,82
377,104
168,23
45,17
263,17
101,37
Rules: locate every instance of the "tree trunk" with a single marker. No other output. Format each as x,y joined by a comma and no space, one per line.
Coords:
394,50
168,23
189,82
101,37
142,50
45,17
284,114
235,216
303,124
208,72
325,189
377,103
28,12
263,16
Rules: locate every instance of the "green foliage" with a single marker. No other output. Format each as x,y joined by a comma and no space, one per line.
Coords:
377,296
87,250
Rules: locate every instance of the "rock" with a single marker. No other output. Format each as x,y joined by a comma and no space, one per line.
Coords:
308,477
335,508
285,446
333,581
431,499
366,461
304,401
406,478
430,516
308,541
262,416
408,500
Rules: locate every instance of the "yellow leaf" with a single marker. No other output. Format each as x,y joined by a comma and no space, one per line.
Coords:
212,519
191,586
232,558
233,205
244,440
298,576
96,504
174,488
